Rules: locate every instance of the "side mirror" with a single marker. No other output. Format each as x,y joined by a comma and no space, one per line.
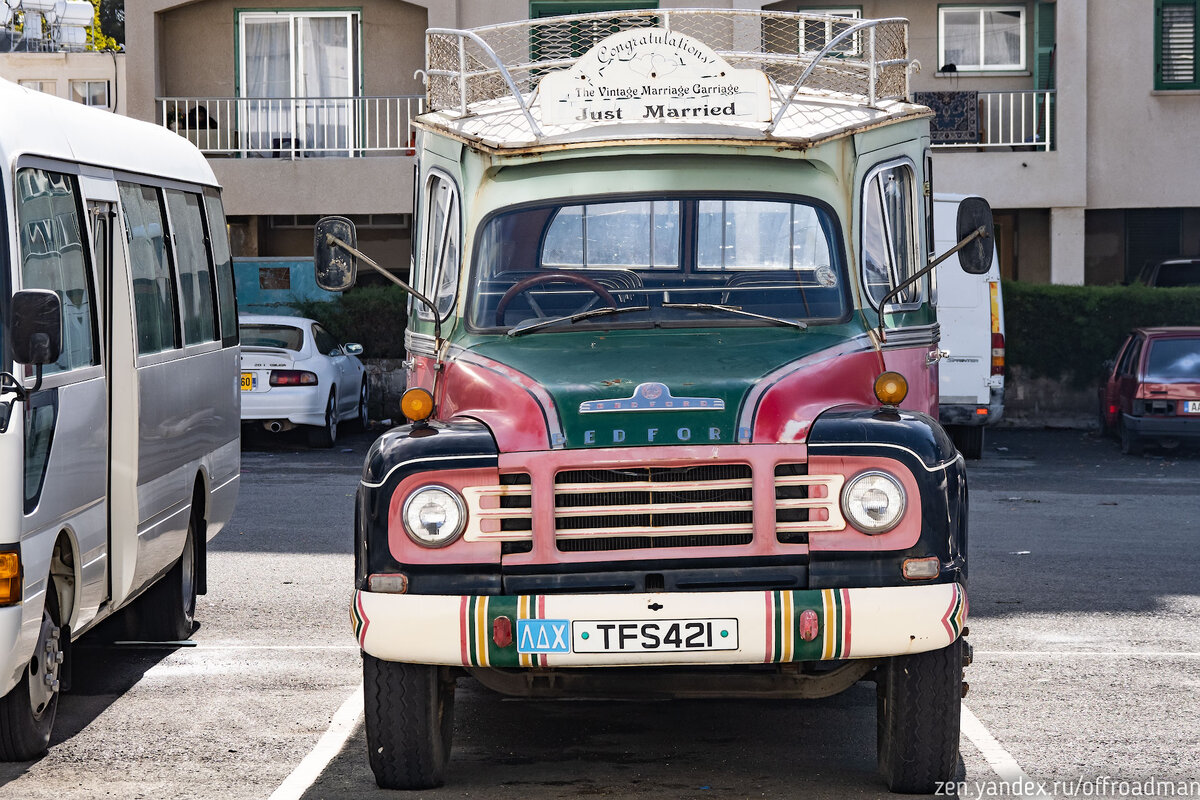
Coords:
336,267
36,327
976,257
353,349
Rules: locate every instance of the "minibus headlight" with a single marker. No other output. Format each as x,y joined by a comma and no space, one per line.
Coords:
434,516
873,502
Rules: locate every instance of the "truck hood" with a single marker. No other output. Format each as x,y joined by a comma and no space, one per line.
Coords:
637,388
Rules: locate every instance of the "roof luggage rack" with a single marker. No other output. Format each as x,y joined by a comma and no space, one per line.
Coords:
481,71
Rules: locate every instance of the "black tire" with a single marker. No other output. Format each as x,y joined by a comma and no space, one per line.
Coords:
919,700
364,418
968,439
167,612
1131,443
1105,429
326,436
410,723
27,711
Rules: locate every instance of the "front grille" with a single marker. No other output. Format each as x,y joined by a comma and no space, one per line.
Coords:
644,508
654,507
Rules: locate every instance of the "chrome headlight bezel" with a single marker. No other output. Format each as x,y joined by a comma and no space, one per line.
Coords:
878,481
420,535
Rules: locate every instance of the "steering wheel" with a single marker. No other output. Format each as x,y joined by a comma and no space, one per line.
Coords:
525,284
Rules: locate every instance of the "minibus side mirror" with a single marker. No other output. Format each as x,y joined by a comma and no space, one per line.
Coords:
36,327
335,265
976,256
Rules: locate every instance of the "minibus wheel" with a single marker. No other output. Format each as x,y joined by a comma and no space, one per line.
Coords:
919,702
410,722
27,712
167,612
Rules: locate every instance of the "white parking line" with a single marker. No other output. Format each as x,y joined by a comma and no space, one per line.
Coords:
328,746
1000,760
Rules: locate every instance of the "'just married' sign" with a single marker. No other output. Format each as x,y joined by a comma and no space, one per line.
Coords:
653,75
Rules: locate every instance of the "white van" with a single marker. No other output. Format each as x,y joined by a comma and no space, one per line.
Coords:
971,315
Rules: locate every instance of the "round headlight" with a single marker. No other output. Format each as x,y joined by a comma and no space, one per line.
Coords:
434,516
873,502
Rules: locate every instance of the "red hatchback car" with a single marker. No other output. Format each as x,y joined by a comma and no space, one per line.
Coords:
1151,392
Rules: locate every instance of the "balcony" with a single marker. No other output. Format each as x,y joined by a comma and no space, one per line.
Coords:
294,127
1006,121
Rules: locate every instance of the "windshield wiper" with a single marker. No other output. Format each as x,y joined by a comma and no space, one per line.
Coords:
595,312
795,323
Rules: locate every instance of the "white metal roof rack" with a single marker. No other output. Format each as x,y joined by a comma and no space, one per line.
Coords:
854,71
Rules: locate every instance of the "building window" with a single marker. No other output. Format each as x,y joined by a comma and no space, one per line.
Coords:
981,38
46,87
301,71
816,34
90,93
1175,44
564,40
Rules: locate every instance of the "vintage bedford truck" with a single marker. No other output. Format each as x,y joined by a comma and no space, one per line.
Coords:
673,354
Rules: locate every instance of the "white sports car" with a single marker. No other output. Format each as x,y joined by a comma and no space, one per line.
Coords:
295,373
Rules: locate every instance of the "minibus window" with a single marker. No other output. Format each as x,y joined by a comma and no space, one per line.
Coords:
195,276
218,235
52,257
153,294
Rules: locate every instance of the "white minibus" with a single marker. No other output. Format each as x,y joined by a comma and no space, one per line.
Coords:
119,431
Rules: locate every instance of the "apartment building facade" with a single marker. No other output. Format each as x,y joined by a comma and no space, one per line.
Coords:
1072,118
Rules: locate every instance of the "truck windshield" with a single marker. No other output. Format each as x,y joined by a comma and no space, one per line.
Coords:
683,262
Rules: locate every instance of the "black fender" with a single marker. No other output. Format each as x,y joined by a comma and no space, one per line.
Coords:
460,443
920,444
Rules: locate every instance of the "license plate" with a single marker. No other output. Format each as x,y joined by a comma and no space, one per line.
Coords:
653,636
1193,406
249,381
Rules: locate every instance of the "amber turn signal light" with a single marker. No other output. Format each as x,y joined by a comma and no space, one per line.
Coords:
417,404
10,578
891,388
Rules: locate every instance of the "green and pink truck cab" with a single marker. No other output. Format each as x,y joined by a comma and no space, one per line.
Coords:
658,418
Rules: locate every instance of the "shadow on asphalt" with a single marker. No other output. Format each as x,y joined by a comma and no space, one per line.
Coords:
1062,521
518,749
103,671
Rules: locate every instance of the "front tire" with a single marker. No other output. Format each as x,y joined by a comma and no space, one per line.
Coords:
363,419
919,699
410,723
27,711
326,436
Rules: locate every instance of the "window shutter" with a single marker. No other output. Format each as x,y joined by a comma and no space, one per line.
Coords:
1044,37
1176,45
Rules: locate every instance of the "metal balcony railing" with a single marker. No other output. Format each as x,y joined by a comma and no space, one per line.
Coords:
294,127
997,120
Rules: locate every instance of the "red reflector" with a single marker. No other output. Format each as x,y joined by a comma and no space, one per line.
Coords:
292,377
502,631
810,625
981,412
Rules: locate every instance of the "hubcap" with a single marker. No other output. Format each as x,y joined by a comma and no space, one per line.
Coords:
44,667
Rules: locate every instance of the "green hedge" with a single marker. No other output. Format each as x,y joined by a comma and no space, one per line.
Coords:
1069,331
373,316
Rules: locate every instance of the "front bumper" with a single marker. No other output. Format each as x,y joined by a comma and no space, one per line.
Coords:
771,626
